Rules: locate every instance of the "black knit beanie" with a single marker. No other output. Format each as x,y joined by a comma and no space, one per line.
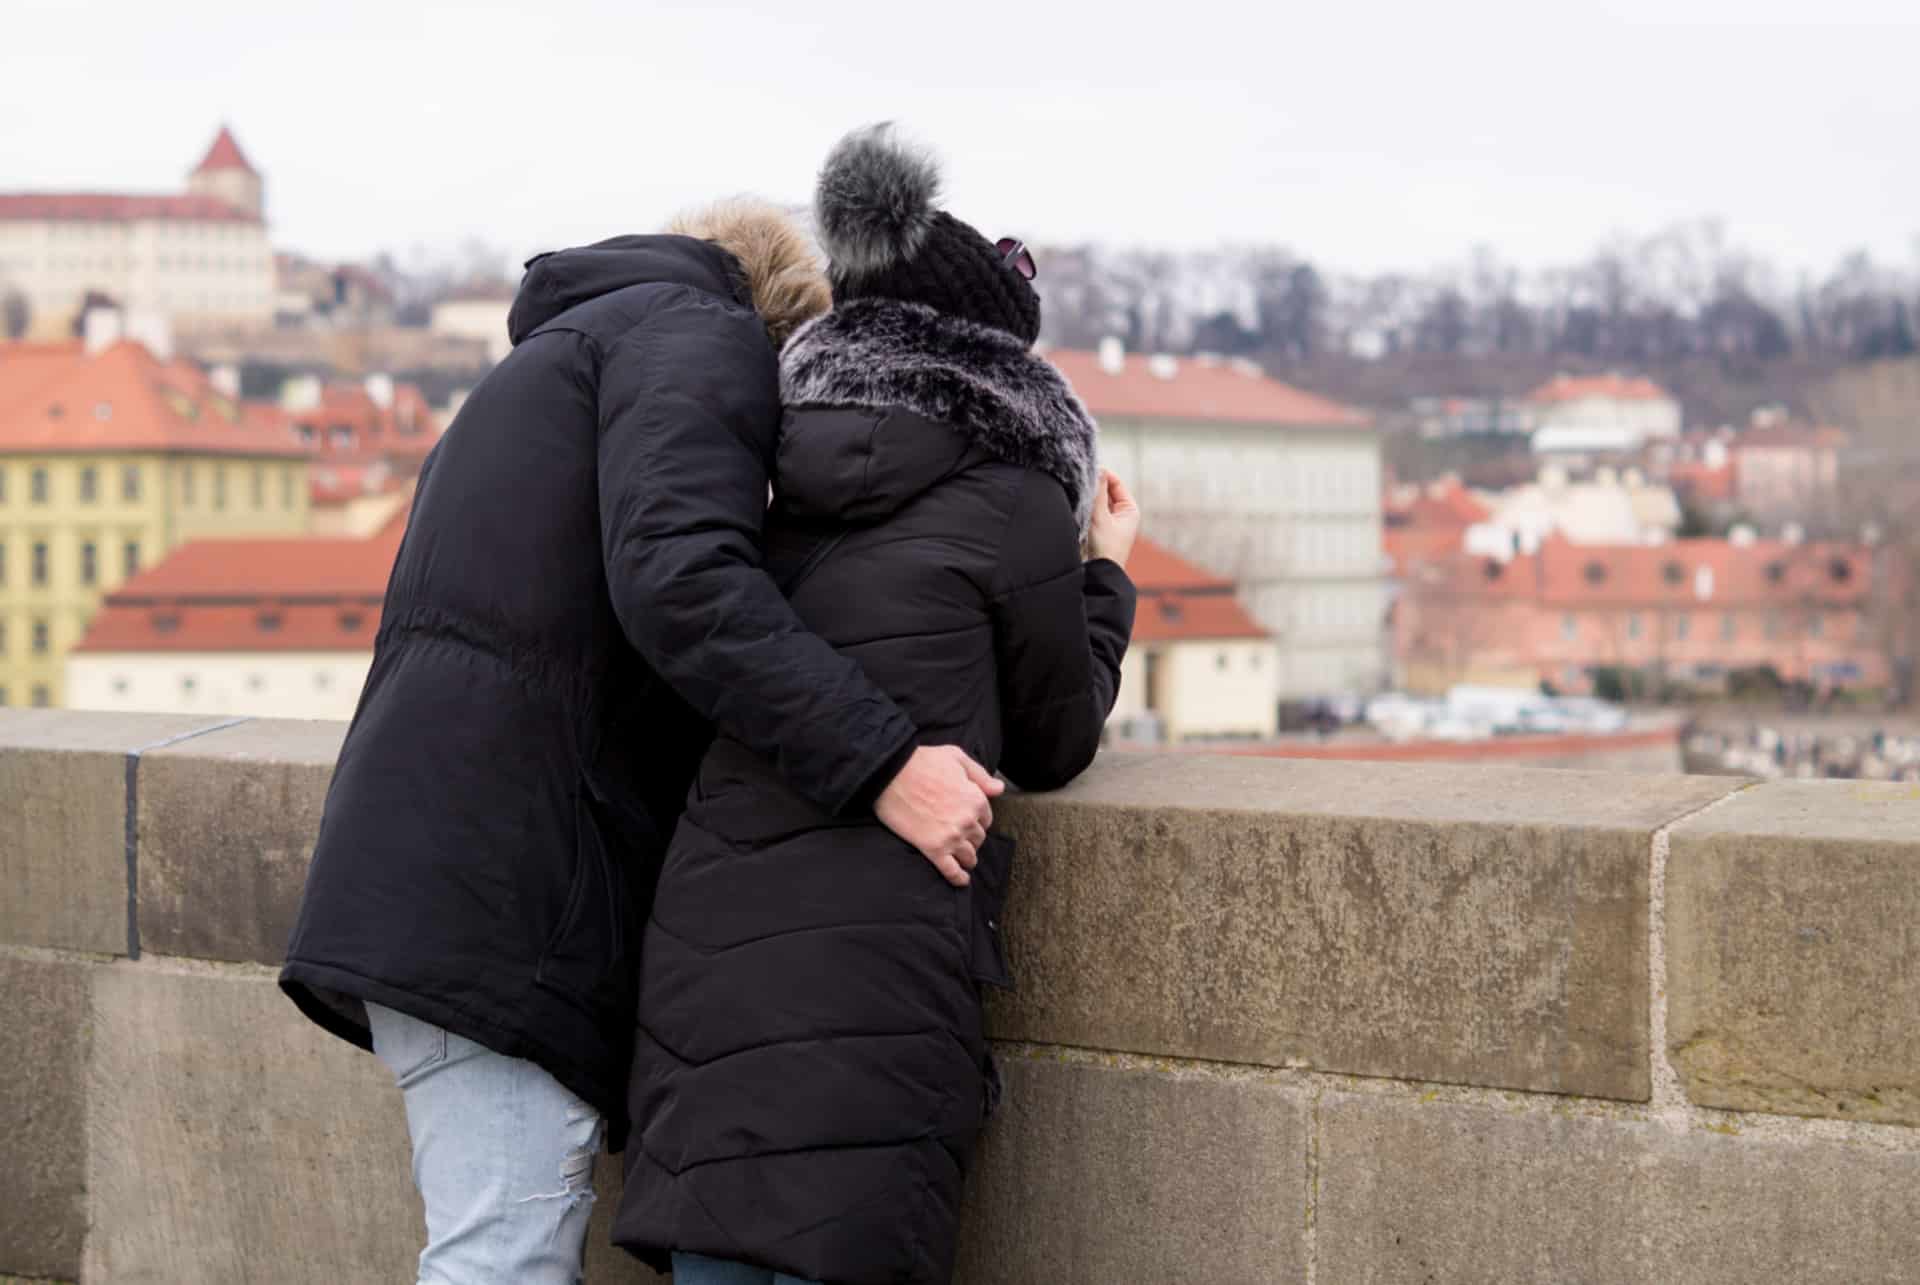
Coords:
885,240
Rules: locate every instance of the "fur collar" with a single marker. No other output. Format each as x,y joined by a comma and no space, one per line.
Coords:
1014,403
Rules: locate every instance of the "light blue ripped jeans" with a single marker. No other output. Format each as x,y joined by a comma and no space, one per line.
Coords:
502,1156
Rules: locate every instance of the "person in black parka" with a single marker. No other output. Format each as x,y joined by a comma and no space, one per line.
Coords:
578,599
810,1070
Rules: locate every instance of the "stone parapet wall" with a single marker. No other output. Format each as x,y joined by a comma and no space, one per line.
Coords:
1276,1021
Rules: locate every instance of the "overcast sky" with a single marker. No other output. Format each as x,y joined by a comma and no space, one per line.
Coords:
1364,135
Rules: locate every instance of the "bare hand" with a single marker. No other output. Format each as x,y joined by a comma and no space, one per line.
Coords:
1116,520
938,803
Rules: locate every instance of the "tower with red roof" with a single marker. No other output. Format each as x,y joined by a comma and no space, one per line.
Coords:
226,175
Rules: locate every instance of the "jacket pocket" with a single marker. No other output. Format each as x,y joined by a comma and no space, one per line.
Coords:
587,959
986,900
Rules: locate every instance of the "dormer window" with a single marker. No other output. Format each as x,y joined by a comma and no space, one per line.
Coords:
1595,572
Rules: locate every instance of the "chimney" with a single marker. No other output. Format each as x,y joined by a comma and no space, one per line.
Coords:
226,378
153,330
300,393
380,389
1113,355
103,327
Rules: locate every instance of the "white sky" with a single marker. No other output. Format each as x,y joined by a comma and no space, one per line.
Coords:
1365,135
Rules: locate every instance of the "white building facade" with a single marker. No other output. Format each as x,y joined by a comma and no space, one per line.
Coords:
1271,488
197,258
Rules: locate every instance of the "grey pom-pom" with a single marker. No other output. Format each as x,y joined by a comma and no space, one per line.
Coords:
874,205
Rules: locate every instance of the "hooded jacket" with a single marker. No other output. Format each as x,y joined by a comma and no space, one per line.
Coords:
810,1071
577,599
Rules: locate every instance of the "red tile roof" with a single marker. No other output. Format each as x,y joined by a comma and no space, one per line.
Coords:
1761,574
116,207
55,397
1790,435
1569,388
1197,390
305,594
405,429
1180,602
1698,481
225,154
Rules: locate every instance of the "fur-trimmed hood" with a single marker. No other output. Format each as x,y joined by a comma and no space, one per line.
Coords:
990,388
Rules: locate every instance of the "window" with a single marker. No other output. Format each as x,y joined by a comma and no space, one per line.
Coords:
188,684
1633,626
269,621
1728,628
3,486
259,486
37,486
41,696
1682,626
3,564
351,621
1569,627
130,482
120,687
322,681
287,480
89,563
89,484
256,682
1220,662
40,562
186,484
3,697
3,637
40,638
219,486
130,558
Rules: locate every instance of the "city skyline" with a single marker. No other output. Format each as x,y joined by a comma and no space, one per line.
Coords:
1377,138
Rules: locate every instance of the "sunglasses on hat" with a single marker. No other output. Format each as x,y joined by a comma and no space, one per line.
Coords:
1014,254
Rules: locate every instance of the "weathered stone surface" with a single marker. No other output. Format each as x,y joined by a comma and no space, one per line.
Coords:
1434,1192
227,825
43,1115
1793,951
1487,926
63,823
231,1140
1092,1175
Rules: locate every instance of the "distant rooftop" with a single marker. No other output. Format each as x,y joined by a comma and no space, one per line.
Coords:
1193,388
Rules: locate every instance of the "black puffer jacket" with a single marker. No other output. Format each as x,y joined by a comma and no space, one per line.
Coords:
810,1072
578,592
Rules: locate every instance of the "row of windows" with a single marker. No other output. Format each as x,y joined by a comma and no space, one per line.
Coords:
190,685
1680,627
39,560
175,230
40,696
39,638
162,262
40,485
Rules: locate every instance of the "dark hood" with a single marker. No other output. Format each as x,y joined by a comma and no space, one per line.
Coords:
850,465
563,279
900,394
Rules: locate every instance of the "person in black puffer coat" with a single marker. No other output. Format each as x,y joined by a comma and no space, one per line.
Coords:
578,601
810,1071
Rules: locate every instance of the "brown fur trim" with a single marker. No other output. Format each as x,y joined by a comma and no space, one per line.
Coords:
783,271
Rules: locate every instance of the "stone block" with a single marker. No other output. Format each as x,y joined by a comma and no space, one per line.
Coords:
1793,951
1424,1192
43,1144
1478,925
227,826
63,823
1093,1174
231,1141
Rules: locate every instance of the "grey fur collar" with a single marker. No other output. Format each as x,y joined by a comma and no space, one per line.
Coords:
1013,402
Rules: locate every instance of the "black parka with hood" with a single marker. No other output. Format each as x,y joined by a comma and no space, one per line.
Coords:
577,599
810,1071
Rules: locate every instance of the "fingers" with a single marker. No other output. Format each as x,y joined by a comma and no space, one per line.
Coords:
950,870
990,785
976,834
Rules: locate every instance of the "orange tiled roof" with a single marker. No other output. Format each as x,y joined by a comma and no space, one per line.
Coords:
225,154
1197,390
306,594
55,397
406,428
116,207
1568,388
1181,602
1761,574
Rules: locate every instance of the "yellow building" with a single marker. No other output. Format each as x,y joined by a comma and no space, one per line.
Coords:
110,457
